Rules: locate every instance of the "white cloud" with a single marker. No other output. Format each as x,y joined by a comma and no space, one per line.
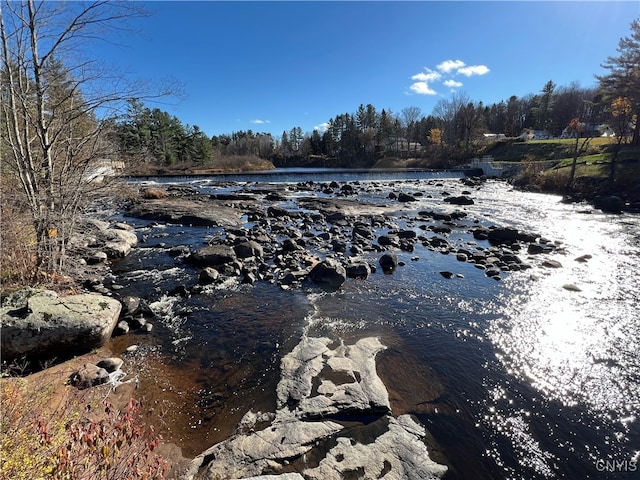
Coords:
428,76
422,81
257,121
452,84
428,81
473,70
422,88
322,127
450,65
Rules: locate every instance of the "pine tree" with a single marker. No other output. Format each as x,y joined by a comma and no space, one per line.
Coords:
623,81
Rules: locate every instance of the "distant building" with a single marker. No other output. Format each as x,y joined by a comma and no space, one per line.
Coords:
104,168
397,144
590,130
531,134
493,137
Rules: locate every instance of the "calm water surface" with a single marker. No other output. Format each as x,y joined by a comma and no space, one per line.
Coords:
520,378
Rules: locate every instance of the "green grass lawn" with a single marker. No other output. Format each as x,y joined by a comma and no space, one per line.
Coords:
627,169
547,163
545,150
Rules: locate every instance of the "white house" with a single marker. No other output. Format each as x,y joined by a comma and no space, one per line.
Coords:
590,130
531,134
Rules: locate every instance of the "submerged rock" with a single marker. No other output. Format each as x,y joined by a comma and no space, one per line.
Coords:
388,262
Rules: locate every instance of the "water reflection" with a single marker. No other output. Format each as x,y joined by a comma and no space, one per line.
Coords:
576,347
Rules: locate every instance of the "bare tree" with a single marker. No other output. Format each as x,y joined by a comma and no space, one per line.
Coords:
621,113
410,117
577,129
446,112
56,109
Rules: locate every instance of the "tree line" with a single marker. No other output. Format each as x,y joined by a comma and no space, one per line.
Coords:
453,130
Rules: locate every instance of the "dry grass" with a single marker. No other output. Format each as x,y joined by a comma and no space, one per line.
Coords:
237,163
592,174
49,430
222,164
17,240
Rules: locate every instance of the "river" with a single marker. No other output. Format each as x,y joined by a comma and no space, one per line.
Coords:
535,376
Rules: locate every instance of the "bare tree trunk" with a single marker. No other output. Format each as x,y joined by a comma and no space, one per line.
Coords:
54,140
572,174
614,159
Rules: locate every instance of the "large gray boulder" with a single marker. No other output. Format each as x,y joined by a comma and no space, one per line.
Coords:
346,379
212,256
398,453
99,240
118,242
609,204
330,273
41,324
255,453
248,249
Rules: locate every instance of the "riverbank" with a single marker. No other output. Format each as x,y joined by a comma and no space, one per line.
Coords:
544,166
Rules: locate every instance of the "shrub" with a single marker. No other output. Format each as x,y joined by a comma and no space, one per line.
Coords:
241,163
530,172
553,180
66,434
153,193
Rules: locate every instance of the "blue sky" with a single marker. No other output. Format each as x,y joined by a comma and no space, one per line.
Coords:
271,66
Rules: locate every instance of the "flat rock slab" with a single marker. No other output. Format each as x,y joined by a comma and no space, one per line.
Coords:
348,382
200,211
400,452
318,387
42,324
255,453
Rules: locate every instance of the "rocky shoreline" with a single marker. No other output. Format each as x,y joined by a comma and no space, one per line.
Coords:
312,234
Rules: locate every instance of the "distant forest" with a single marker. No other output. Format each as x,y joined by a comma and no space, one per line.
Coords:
454,131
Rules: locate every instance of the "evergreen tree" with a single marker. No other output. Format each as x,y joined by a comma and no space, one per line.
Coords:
285,146
623,80
544,107
385,130
315,142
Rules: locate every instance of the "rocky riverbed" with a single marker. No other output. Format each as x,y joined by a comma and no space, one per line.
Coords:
322,232
333,416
